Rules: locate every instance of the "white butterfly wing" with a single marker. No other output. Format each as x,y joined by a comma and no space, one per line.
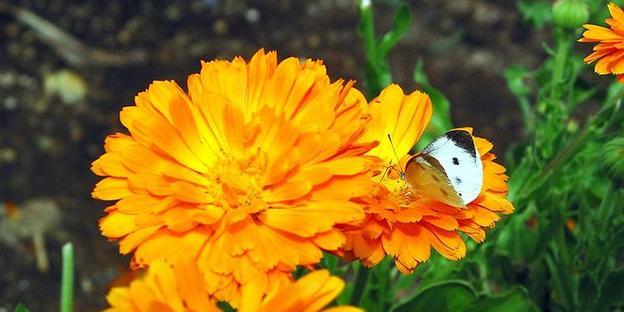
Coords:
457,154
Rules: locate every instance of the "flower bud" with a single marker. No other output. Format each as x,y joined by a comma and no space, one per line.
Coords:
570,13
572,126
613,159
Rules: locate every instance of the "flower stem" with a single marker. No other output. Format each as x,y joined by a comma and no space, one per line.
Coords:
67,278
361,281
605,212
560,58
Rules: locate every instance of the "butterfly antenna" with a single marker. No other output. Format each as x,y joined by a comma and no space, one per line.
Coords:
386,169
393,149
402,174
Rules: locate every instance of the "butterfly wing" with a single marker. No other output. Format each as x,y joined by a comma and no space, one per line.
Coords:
426,175
458,156
448,170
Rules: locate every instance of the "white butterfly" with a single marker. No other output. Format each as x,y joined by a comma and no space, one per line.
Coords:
448,170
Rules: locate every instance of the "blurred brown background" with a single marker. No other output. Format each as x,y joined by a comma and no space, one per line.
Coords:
60,96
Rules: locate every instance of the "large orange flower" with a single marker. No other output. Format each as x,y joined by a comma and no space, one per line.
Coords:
180,287
403,224
610,48
248,173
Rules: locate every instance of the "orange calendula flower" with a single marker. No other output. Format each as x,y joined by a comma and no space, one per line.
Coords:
164,288
248,172
609,52
180,287
400,222
310,293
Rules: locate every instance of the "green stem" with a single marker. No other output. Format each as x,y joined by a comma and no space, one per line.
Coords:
378,73
483,276
367,33
561,54
361,281
367,29
564,266
527,114
67,278
559,160
557,280
606,210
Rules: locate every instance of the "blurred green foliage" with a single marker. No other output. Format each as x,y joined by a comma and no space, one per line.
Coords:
20,308
562,248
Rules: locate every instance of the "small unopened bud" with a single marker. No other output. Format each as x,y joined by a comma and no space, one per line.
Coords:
570,13
613,159
572,126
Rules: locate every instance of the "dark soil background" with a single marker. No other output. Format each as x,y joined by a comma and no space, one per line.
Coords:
55,110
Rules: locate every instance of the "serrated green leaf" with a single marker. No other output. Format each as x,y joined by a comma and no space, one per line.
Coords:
445,296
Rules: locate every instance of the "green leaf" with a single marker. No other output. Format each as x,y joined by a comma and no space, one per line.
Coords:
515,300
537,12
400,27
225,307
446,296
345,296
20,307
441,119
520,237
457,295
516,76
588,287
614,92
379,293
439,269
334,264
613,289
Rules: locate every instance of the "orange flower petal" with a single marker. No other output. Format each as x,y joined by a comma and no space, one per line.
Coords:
111,189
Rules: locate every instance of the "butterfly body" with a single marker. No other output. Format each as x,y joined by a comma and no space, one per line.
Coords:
448,170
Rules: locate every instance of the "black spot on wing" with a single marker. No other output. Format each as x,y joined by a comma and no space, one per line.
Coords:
458,180
463,139
455,161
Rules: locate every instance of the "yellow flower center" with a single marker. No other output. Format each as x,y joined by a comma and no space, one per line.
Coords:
236,185
400,191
